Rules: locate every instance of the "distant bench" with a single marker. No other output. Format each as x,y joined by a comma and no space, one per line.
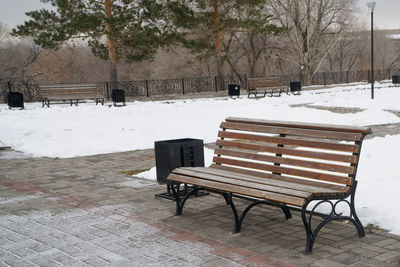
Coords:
284,164
263,86
70,93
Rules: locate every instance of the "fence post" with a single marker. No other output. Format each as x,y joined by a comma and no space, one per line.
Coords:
147,88
183,86
215,83
347,76
245,82
324,78
369,73
107,91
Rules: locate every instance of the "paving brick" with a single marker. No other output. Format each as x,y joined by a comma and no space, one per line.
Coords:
327,263
391,256
386,242
77,212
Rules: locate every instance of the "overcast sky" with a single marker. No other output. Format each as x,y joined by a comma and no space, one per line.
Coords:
386,16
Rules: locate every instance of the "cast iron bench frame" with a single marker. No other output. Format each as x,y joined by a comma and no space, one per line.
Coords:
262,86
277,178
72,93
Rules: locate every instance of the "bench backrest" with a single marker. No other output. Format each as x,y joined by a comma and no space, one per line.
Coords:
327,153
254,83
68,89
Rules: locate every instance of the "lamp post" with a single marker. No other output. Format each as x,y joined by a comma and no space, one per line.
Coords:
372,7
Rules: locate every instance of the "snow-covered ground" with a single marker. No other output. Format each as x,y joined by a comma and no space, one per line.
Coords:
64,131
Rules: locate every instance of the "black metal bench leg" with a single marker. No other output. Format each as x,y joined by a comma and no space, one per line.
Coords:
309,234
239,220
238,227
235,214
176,192
226,197
333,215
180,202
357,223
287,213
45,102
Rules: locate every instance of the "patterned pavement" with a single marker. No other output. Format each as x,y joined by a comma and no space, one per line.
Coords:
86,211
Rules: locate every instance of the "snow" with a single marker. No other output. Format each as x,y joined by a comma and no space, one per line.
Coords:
378,176
64,131
393,36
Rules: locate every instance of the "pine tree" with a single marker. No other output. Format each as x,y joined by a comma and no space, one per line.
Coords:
128,29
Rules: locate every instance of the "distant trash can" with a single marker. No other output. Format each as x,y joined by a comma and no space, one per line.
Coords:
396,79
234,90
15,100
171,154
295,87
118,96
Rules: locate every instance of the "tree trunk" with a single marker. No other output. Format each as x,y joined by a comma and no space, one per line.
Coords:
220,74
113,74
112,51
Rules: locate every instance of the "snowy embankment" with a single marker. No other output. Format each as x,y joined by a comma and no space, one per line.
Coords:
64,131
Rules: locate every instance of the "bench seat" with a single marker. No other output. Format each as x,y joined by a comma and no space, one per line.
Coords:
291,192
285,164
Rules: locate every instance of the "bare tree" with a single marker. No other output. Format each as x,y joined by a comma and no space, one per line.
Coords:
314,27
345,52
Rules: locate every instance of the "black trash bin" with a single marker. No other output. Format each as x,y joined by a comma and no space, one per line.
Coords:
396,79
15,100
234,90
171,154
295,88
118,96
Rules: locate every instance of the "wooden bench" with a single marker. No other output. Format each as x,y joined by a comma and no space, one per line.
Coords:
259,87
71,93
284,164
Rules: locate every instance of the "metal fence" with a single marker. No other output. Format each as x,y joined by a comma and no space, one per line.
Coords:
147,88
170,87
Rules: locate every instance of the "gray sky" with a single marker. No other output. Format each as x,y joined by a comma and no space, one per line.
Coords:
386,16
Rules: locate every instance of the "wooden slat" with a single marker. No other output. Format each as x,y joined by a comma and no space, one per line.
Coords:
290,141
264,82
334,187
279,198
69,91
314,126
320,190
69,88
289,151
287,161
248,183
262,85
73,97
291,131
285,170
60,85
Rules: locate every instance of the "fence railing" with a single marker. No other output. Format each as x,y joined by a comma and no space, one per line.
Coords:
147,88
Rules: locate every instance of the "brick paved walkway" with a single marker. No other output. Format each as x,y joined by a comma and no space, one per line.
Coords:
85,211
